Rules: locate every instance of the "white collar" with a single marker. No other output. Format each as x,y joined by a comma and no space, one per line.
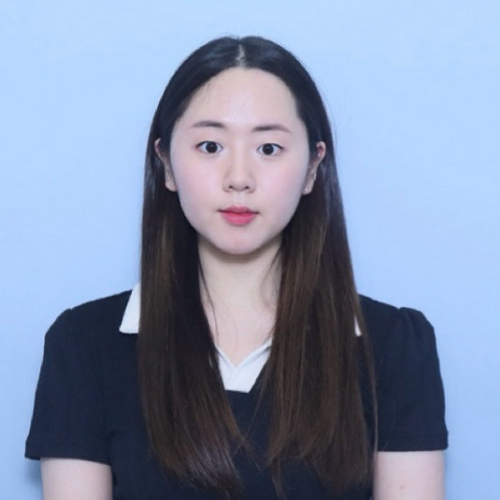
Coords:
132,314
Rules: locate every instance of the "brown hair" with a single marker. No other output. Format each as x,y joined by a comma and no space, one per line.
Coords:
312,375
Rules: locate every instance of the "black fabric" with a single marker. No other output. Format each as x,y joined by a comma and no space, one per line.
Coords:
87,402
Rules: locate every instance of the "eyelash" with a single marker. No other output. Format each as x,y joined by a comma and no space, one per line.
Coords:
202,146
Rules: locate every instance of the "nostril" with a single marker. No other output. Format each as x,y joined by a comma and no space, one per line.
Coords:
235,186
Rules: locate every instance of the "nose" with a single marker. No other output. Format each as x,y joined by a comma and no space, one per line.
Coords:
239,173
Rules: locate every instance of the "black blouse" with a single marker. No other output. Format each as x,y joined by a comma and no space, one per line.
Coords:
87,402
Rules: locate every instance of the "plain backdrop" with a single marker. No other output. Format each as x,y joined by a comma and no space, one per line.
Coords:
414,93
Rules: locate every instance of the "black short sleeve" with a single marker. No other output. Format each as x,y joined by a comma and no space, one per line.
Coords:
409,386
68,419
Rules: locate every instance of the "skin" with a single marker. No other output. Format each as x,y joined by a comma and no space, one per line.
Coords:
234,111
417,475
70,479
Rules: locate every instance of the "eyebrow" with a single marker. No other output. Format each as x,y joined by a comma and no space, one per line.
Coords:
259,128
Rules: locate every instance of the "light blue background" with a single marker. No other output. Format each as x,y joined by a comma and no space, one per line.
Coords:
414,89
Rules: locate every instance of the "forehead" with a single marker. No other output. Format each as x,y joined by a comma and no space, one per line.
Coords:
241,94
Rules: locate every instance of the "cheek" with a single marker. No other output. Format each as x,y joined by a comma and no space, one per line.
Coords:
285,193
184,172
189,192
289,181
195,192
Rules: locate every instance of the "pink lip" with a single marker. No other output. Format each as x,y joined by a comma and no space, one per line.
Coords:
238,215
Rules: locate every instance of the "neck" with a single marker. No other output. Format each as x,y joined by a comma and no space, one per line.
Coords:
240,280
239,296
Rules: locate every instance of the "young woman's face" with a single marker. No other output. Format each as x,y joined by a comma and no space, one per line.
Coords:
240,161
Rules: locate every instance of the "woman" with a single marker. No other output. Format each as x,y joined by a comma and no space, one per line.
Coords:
258,371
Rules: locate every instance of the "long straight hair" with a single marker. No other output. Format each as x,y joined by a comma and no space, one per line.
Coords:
312,376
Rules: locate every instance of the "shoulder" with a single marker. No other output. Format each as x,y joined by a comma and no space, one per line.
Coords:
402,341
87,323
391,329
107,311
380,316
376,310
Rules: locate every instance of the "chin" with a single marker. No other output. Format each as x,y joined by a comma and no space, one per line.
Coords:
239,251
241,248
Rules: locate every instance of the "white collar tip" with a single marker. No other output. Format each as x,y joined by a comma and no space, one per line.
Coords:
128,329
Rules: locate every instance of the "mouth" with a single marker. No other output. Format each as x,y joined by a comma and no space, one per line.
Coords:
238,215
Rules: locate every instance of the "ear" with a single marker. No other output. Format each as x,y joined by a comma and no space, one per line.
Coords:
169,175
313,166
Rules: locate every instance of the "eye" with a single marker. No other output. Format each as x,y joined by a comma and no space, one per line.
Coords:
209,147
269,149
